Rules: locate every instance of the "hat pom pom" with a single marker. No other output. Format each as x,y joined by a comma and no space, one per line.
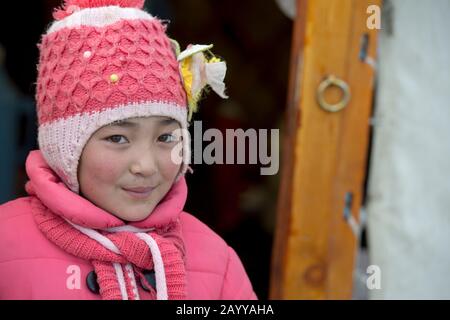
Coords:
71,6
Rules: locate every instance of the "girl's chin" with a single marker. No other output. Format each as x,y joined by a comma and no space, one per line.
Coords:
135,217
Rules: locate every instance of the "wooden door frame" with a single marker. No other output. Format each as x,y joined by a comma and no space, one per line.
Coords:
325,154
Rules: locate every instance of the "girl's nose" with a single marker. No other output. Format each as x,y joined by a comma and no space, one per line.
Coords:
144,164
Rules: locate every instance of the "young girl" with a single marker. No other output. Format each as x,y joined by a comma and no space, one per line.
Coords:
104,217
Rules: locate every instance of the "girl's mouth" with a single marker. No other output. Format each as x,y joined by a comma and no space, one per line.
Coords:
139,192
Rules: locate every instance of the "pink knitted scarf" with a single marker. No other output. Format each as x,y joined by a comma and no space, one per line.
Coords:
121,255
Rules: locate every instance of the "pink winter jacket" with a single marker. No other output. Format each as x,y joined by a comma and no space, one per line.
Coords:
32,267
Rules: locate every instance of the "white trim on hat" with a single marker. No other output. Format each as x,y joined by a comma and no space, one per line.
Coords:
99,17
62,141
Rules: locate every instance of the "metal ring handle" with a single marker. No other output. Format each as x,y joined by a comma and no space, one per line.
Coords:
329,82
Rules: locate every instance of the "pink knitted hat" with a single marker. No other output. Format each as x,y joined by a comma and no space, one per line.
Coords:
103,61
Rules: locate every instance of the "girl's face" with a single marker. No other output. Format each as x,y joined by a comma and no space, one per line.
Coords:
126,167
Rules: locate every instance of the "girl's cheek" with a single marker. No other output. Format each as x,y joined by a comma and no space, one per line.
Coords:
103,166
169,168
107,171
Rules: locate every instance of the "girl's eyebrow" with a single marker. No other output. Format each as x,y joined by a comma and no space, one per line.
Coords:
122,123
130,124
167,121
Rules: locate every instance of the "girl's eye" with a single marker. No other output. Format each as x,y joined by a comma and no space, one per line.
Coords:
117,139
167,138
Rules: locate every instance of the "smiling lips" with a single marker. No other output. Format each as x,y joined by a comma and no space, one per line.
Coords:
140,192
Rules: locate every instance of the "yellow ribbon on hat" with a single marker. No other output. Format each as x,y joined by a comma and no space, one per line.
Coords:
186,74
199,70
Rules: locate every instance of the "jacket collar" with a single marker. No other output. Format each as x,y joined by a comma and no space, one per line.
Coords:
54,194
